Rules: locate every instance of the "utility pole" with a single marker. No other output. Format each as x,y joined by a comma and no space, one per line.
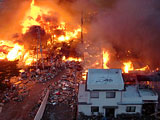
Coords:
37,54
39,39
82,40
82,27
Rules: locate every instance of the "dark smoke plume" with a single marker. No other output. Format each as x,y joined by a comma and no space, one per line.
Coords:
132,25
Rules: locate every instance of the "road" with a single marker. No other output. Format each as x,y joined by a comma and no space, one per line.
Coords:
20,110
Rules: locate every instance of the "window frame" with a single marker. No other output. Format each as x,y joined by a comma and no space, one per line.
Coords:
96,108
131,109
114,95
94,92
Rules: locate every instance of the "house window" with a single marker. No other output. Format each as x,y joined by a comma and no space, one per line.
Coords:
94,109
130,109
110,94
94,94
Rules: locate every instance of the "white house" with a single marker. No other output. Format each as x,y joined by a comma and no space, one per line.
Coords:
105,93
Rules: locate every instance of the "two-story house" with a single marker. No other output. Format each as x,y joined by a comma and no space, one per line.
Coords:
105,93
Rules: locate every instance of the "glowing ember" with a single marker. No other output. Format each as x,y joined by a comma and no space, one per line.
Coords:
71,59
105,59
84,75
29,61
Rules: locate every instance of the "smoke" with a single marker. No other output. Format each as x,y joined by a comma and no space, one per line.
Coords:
130,25
128,29
11,13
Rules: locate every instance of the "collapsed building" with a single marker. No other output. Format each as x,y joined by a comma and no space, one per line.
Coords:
105,93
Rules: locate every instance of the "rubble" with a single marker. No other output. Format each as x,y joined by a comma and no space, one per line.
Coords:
63,93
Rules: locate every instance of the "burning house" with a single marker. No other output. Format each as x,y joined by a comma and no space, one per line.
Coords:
105,93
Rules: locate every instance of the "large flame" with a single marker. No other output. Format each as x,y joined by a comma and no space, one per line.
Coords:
32,15
14,51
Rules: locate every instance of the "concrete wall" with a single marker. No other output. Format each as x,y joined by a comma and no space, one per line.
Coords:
103,101
42,107
122,109
86,109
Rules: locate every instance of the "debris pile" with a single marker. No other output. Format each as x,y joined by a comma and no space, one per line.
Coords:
62,101
17,91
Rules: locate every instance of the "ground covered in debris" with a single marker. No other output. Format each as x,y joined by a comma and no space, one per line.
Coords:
62,101
21,100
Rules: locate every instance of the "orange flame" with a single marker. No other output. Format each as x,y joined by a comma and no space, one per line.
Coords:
84,75
15,53
128,66
71,59
105,59
32,15
2,56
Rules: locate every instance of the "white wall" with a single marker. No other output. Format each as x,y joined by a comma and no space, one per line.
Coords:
103,101
122,109
86,109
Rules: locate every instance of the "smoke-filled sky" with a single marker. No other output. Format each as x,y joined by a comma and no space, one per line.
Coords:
118,25
130,25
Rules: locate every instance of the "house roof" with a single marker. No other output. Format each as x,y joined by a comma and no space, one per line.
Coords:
105,79
131,96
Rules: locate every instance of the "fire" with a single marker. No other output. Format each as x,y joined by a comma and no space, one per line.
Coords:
10,51
143,69
30,60
69,35
128,66
71,59
84,75
15,53
32,15
2,56
105,59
